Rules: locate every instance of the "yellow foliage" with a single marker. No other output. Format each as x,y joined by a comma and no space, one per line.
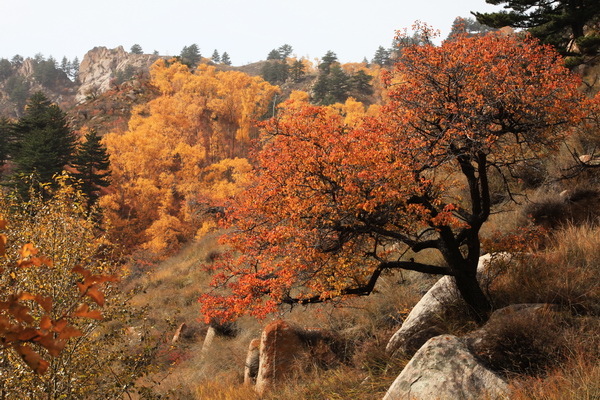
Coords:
199,119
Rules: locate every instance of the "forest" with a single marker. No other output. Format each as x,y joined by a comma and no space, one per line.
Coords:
190,229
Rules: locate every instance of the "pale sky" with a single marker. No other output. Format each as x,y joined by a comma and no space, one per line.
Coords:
246,29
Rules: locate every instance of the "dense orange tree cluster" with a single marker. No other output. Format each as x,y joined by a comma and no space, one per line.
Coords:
199,119
333,204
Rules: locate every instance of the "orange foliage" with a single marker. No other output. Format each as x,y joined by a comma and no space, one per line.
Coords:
200,118
27,320
331,199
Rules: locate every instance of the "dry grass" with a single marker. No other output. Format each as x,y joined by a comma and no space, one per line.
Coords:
566,273
579,379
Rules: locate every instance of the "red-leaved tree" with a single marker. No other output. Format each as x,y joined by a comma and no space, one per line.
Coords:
331,204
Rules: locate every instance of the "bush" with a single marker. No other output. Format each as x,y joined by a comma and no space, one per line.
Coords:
523,342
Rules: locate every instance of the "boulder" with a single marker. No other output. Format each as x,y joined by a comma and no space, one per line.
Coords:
285,348
279,347
208,339
423,322
444,368
252,362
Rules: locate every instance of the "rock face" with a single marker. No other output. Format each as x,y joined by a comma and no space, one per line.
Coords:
100,65
445,369
279,347
422,323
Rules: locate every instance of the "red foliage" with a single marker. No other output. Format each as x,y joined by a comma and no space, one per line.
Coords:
331,201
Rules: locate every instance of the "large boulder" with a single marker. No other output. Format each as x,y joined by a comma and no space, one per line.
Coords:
444,368
425,319
279,347
285,348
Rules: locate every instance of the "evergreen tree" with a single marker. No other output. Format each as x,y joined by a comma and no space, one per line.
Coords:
275,71
225,59
190,55
17,88
554,22
65,66
339,85
361,83
93,167
17,60
45,72
382,57
216,58
136,49
274,55
284,51
297,70
329,58
75,69
44,142
6,69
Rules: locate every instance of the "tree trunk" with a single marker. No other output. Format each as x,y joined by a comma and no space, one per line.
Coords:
471,292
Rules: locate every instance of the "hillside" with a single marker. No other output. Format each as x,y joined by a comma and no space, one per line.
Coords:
425,228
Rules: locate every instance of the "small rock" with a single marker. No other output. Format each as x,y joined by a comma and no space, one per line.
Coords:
252,362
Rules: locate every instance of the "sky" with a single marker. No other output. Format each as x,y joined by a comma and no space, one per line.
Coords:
246,29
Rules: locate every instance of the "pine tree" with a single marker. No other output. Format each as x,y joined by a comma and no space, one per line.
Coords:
65,66
136,49
216,58
92,165
274,55
75,69
297,70
329,58
44,142
190,55
382,57
284,51
554,22
225,59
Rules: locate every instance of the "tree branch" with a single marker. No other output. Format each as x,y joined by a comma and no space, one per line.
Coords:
368,288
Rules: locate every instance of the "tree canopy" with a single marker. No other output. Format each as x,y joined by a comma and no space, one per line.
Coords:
158,164
558,22
333,204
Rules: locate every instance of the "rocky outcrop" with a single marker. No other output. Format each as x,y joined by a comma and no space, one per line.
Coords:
444,368
423,322
101,64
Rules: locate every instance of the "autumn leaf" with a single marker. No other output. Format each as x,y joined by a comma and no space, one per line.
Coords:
83,311
28,250
31,358
69,332
2,244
